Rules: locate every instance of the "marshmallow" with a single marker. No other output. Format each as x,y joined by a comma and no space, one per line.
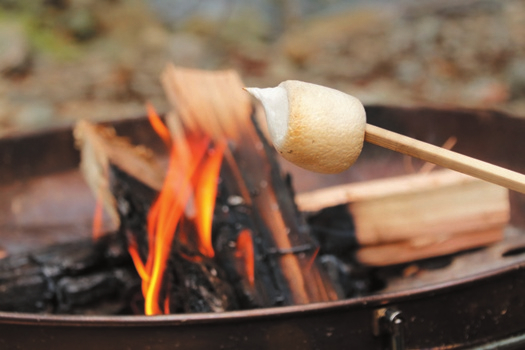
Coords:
312,126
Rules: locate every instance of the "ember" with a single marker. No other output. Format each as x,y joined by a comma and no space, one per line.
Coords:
97,219
245,255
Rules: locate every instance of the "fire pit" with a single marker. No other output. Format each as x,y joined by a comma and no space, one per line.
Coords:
478,298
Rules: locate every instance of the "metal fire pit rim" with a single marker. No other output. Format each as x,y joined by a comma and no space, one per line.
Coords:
379,300
60,133
67,126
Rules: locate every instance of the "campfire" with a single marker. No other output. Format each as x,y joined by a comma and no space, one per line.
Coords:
214,234
204,218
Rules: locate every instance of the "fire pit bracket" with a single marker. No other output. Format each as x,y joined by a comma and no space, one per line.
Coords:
388,323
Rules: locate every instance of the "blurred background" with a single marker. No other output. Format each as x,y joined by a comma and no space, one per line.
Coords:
61,60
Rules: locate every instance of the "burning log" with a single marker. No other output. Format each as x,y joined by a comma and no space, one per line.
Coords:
264,248
101,148
422,215
190,284
224,110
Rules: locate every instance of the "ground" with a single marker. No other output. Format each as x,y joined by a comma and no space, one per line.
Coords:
62,60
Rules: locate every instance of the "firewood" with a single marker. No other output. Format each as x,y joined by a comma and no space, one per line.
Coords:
193,286
379,188
100,147
71,278
231,216
395,214
418,249
207,105
223,110
198,286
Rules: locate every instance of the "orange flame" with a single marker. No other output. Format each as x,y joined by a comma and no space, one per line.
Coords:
96,228
192,173
246,255
311,261
158,125
205,192
137,261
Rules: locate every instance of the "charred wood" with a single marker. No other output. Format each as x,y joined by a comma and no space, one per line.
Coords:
80,277
222,110
268,250
133,200
269,287
334,229
194,283
198,286
289,237
409,218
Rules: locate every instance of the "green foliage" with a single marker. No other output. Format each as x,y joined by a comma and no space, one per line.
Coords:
43,29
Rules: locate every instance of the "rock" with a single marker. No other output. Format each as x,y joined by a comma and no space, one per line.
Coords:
485,92
34,114
154,37
515,77
186,49
82,24
15,53
409,71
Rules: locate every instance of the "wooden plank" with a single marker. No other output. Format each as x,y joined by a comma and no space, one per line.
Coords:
406,251
395,218
454,208
375,189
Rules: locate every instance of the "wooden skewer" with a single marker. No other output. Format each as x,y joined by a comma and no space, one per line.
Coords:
445,158
323,130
